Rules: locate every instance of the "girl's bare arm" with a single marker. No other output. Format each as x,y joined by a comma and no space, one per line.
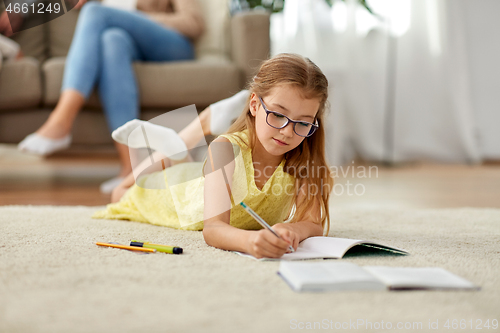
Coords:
217,230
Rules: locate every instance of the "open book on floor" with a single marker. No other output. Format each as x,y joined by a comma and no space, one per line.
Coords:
335,248
333,275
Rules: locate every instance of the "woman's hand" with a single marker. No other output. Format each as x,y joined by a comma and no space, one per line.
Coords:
80,4
10,23
264,244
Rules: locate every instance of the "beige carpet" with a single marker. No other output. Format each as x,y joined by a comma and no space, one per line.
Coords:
54,279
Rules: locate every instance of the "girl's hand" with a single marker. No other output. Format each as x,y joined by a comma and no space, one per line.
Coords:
263,244
288,234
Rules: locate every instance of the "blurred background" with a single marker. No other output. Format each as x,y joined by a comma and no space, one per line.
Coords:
414,93
411,80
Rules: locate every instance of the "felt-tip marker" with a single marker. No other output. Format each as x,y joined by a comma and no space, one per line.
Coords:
157,247
124,247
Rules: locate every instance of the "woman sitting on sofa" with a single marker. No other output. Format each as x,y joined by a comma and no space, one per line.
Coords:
106,43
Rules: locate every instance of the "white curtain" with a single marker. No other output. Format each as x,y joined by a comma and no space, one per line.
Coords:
401,85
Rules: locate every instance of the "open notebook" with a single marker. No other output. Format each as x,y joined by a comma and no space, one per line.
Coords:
334,248
333,275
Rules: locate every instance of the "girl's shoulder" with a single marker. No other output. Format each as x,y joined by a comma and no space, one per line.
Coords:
239,138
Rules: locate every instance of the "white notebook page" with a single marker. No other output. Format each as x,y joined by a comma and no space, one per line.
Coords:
330,275
418,277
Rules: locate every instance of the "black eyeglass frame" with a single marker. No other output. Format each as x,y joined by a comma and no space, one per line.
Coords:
313,129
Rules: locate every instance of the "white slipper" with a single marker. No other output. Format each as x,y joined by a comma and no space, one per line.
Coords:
223,113
109,185
143,134
40,145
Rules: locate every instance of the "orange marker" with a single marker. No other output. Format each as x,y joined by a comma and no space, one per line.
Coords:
125,247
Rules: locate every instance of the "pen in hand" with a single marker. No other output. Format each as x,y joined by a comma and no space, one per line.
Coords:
263,223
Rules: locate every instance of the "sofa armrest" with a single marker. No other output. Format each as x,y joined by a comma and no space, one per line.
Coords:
250,42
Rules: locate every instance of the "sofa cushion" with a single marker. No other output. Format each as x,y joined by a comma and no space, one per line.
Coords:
215,39
250,42
20,84
61,32
32,42
170,84
201,82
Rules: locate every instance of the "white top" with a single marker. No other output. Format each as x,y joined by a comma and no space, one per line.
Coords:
121,4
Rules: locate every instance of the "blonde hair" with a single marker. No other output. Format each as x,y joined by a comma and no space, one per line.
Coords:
299,72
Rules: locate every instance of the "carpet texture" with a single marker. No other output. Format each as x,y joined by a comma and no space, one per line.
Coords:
54,278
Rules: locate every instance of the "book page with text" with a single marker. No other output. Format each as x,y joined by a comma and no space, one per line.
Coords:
330,275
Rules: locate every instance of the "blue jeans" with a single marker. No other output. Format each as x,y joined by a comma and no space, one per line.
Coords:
106,43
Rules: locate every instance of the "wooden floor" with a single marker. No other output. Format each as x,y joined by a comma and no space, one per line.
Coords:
425,186
73,179
70,178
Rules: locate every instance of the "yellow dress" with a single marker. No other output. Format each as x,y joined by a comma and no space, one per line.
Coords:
178,203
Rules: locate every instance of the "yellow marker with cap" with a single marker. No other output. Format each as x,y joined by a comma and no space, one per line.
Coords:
157,247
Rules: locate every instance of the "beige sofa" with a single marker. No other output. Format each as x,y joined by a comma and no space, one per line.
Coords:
226,56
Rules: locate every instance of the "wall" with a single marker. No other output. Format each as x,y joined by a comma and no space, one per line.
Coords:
483,53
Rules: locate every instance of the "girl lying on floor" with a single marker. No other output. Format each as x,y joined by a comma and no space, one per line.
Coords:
261,160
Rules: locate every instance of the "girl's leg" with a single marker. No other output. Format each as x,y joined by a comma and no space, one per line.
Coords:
132,134
143,134
190,135
163,139
166,141
224,112
143,167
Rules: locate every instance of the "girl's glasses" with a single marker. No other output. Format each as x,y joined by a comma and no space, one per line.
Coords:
278,120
